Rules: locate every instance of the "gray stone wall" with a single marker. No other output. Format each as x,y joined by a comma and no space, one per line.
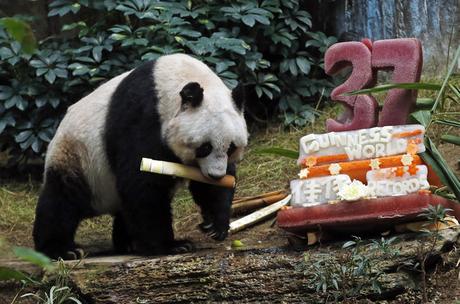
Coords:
435,22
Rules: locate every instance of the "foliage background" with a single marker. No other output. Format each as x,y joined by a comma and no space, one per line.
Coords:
267,45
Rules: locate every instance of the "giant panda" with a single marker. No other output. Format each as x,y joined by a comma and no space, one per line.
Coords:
174,109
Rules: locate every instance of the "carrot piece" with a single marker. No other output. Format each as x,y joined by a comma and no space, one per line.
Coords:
408,133
325,159
358,169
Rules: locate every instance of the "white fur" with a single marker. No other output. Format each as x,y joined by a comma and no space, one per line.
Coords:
84,122
216,120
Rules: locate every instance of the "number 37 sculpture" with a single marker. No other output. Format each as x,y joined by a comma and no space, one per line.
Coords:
365,174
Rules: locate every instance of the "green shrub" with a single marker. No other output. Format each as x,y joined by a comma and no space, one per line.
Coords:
265,44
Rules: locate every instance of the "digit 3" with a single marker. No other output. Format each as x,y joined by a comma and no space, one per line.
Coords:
361,110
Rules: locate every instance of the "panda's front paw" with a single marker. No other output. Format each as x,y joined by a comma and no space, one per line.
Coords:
218,235
182,246
206,227
74,254
216,232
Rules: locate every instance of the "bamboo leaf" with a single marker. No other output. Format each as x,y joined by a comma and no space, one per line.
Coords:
453,64
390,86
455,90
425,102
423,117
448,122
12,274
451,139
434,158
34,257
279,151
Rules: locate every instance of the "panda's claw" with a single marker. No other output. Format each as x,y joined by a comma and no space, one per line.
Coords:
182,247
220,236
74,254
80,253
206,227
70,255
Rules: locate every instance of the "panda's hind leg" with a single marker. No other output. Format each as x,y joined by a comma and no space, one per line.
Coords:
147,215
122,242
62,204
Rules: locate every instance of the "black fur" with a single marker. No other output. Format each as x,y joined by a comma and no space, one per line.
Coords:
192,95
239,96
63,203
144,223
133,131
215,204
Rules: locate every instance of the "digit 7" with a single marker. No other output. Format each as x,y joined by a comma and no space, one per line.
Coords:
404,57
361,110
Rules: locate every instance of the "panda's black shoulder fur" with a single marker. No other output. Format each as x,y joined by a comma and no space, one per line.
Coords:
133,126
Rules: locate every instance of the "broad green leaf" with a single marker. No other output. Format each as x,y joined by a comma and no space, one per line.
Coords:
45,136
41,71
434,159
249,20
390,86
6,53
303,64
278,151
61,73
23,136
34,257
37,145
262,19
6,92
50,76
293,67
423,117
21,32
12,274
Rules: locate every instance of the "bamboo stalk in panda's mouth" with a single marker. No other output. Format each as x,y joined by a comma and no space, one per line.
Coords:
179,170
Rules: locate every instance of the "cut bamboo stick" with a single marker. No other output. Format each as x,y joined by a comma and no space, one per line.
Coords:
257,216
179,170
250,198
256,203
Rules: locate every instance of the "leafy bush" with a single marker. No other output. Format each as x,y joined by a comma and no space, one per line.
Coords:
347,275
53,285
265,44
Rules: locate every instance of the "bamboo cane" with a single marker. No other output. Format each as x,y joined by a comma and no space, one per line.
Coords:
258,215
179,170
256,203
250,198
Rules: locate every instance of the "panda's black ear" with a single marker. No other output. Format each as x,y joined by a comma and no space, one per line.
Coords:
192,94
239,96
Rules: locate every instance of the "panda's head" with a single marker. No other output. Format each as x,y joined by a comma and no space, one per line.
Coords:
208,129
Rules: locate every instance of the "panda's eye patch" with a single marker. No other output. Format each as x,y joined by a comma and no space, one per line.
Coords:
203,150
231,149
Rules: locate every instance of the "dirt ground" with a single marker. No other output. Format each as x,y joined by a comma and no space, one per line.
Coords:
265,269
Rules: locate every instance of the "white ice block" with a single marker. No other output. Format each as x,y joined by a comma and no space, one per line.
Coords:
384,182
318,190
362,144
